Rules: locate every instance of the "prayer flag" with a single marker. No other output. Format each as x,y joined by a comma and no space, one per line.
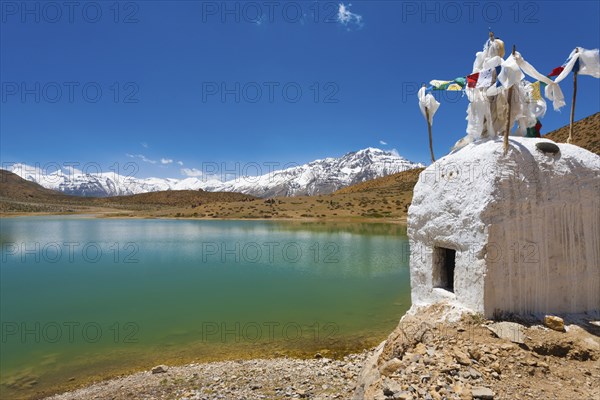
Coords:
485,79
456,84
472,80
556,71
536,93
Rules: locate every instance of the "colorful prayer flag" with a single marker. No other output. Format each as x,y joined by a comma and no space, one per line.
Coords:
556,71
472,80
534,131
454,85
462,81
481,79
536,93
439,85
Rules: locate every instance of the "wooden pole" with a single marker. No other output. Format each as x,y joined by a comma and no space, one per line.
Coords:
430,138
573,103
508,124
429,131
492,38
510,90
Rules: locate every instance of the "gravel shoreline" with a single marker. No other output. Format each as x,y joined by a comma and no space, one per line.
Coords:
279,378
425,357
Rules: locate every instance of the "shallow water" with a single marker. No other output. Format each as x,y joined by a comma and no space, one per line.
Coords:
85,298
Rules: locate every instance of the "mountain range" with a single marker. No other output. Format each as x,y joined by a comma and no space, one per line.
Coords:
316,177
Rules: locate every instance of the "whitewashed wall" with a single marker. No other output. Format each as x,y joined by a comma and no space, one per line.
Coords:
526,227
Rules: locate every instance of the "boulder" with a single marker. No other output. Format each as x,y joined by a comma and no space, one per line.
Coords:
556,323
509,331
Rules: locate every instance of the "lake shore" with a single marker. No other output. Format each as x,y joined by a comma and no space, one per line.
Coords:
277,378
216,213
121,215
424,357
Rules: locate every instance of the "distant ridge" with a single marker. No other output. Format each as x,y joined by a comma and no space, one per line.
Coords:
20,195
387,197
317,177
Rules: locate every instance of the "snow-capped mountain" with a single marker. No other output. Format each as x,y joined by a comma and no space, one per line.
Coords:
317,177
323,176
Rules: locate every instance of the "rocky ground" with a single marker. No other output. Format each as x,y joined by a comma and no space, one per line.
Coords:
281,378
424,358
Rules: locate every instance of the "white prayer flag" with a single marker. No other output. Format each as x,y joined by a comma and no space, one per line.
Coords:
485,78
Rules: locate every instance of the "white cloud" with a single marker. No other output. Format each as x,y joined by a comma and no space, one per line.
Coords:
348,18
166,161
180,163
141,157
191,172
381,142
144,145
395,152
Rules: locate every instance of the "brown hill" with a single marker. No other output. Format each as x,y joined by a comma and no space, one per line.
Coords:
391,184
586,133
18,195
14,187
174,198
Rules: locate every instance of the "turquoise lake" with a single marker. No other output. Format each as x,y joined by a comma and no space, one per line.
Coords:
85,298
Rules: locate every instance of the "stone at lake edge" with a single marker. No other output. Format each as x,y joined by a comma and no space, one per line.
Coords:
159,369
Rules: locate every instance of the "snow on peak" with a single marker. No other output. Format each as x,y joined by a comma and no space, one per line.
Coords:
317,177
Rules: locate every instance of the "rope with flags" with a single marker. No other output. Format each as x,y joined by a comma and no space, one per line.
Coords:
499,95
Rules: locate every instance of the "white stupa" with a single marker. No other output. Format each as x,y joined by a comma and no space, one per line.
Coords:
516,233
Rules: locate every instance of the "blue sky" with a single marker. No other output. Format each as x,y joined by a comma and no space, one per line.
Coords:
257,82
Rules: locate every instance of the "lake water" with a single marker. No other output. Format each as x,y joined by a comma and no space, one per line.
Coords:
85,298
